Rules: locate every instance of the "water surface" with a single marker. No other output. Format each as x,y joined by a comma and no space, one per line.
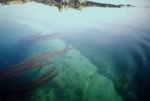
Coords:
112,63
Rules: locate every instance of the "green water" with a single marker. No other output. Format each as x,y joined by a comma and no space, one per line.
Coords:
110,64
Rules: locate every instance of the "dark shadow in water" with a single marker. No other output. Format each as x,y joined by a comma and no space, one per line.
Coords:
22,48
142,75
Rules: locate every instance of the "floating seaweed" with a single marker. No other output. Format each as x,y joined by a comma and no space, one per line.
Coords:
12,88
26,42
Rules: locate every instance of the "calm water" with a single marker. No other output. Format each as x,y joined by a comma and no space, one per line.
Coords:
110,64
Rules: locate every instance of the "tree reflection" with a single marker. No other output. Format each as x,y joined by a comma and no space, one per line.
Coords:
65,4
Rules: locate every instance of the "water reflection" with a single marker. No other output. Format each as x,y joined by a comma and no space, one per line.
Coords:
112,63
74,4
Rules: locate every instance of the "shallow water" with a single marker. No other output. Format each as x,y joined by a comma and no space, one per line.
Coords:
110,64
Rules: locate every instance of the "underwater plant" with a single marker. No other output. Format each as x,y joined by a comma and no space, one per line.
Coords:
15,88
25,43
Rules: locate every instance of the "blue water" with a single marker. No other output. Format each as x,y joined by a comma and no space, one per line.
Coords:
111,63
